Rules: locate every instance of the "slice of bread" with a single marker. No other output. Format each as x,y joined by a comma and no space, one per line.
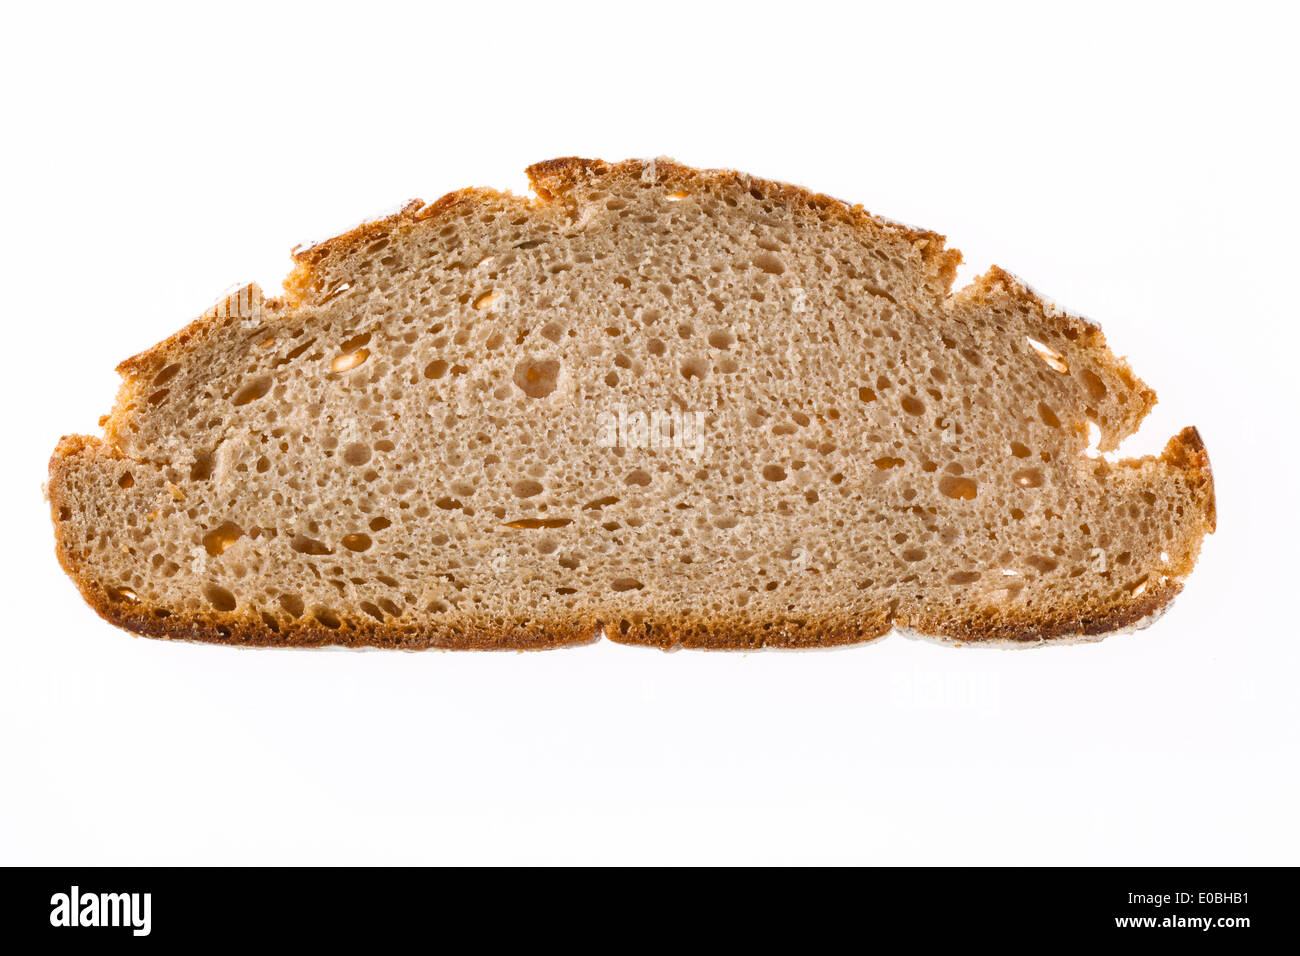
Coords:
672,406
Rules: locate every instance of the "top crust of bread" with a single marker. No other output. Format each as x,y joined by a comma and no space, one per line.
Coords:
555,182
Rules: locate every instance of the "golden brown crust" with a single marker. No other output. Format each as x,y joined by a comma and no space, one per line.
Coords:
733,635
1063,628
551,180
255,633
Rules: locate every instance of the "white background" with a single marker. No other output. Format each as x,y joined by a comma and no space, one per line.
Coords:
1135,162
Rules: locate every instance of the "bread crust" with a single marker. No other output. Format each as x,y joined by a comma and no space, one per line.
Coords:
552,180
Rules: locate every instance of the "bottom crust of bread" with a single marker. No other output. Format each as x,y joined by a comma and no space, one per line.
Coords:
666,635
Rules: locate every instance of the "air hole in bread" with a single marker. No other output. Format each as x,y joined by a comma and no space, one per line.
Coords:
305,545
1028,478
327,617
335,290
697,368
201,469
537,378
356,542
1049,355
533,523
219,597
952,486
167,374
357,453
1093,383
121,594
526,488
216,541
252,391
348,361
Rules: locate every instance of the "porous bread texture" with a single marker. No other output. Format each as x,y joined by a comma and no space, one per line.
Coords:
413,446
